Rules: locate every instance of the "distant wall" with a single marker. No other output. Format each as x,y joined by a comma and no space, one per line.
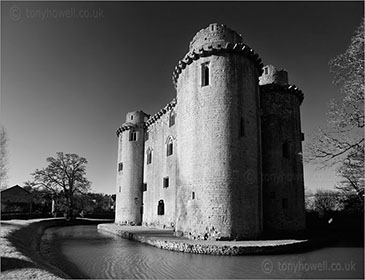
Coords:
283,182
162,166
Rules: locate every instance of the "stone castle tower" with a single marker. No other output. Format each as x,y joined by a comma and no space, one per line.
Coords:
222,160
130,168
282,166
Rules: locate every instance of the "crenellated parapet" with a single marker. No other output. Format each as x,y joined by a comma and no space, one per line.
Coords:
217,48
126,126
160,113
289,89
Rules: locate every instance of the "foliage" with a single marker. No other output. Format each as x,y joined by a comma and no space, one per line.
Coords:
3,158
42,199
341,141
324,201
94,203
62,178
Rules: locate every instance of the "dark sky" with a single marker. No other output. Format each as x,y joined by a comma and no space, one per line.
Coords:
72,70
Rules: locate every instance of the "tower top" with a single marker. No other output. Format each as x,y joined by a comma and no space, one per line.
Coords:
216,39
214,33
273,76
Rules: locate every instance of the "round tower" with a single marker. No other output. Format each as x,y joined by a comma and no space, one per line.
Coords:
219,192
130,169
282,166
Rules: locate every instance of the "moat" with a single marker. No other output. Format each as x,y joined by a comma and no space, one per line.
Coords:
83,252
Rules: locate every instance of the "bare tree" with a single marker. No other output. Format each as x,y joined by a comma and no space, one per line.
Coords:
352,170
341,141
326,201
3,158
63,177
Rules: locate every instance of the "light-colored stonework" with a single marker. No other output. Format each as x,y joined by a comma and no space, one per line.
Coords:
222,161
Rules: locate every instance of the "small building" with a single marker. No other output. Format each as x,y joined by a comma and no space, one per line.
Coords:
16,200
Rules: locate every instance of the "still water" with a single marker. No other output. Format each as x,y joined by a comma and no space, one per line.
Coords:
83,252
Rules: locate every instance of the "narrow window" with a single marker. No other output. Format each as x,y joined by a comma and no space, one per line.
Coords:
120,188
132,135
266,70
144,187
120,166
286,149
193,195
149,156
205,74
172,118
166,182
161,208
146,136
131,117
170,148
242,127
285,203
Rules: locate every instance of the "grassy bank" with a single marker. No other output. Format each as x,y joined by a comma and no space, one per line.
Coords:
20,243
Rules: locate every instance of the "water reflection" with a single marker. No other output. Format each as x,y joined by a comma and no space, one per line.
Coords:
81,251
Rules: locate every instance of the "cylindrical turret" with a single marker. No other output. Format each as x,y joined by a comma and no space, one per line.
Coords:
283,185
130,169
218,127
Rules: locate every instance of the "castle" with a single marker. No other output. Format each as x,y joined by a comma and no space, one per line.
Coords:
223,160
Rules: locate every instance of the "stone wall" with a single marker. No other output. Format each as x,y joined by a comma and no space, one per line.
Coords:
160,134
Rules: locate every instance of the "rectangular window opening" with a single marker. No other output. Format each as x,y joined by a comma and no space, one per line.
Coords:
170,147
133,135
120,166
172,119
149,157
144,187
193,195
166,182
205,74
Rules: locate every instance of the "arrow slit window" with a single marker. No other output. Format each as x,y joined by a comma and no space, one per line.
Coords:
205,74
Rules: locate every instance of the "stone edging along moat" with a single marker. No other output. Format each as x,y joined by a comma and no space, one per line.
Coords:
164,239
